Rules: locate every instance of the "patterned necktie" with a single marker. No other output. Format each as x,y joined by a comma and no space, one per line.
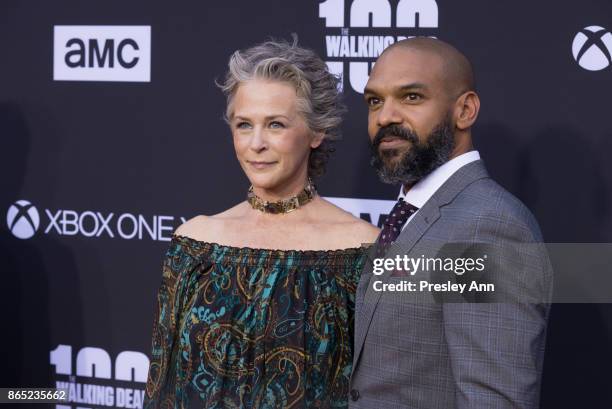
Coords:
393,226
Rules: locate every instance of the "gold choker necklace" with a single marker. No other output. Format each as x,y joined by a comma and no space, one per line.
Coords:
284,205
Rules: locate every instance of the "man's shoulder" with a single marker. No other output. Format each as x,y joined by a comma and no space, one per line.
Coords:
487,195
485,201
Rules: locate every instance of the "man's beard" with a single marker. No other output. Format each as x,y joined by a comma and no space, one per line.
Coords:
419,160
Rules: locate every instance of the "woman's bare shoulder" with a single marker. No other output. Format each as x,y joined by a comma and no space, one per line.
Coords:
360,230
363,231
197,228
209,228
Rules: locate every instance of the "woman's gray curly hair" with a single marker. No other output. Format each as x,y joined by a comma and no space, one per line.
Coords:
319,100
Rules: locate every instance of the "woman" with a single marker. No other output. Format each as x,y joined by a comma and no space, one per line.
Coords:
256,303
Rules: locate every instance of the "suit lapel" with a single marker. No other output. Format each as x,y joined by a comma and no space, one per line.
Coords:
412,233
415,229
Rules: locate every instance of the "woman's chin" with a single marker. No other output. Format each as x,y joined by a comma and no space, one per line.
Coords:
264,183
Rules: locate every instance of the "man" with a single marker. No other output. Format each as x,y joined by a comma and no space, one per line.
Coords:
412,350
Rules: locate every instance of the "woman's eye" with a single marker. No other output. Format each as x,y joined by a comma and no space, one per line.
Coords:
243,125
276,125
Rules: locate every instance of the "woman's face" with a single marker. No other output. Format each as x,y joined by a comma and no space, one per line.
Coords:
271,138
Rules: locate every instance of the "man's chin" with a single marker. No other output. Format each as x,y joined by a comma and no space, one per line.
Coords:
391,177
395,153
390,169
391,160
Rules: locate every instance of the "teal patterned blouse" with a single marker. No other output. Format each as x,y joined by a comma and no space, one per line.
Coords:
253,328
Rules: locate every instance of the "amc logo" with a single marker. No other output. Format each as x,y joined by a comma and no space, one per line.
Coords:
102,53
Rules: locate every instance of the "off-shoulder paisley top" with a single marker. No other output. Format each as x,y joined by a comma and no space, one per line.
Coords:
253,328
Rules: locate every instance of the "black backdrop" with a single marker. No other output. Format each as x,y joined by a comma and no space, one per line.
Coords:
151,152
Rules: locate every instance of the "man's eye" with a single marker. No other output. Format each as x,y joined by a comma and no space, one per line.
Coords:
276,125
414,97
373,101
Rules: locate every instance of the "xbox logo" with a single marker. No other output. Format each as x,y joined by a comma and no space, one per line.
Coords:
592,48
22,219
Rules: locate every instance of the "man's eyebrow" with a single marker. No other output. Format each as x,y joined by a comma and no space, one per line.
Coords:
368,91
402,88
413,85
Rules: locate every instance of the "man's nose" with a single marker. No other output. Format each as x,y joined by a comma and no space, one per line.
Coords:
388,115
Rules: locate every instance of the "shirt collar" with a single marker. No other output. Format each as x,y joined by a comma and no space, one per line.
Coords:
424,189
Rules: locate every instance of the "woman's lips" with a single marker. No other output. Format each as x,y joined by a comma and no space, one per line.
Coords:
260,164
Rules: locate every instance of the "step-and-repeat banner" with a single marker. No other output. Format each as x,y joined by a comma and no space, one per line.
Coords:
112,135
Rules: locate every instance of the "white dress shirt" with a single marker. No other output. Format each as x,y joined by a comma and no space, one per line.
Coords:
424,189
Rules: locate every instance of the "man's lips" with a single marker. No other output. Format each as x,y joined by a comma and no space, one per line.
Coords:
391,142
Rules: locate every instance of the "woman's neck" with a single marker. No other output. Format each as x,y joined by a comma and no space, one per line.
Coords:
287,191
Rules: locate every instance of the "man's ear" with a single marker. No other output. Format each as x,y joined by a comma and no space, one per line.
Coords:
317,139
466,110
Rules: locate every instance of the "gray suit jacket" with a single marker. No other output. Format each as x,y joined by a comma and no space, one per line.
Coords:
413,351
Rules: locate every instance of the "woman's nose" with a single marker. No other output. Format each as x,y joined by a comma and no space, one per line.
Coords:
258,140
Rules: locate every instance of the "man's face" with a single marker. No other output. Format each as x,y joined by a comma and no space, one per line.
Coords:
409,121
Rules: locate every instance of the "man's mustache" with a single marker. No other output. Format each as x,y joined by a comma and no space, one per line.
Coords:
395,131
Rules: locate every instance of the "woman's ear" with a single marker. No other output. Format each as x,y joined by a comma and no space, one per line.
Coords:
317,139
466,110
